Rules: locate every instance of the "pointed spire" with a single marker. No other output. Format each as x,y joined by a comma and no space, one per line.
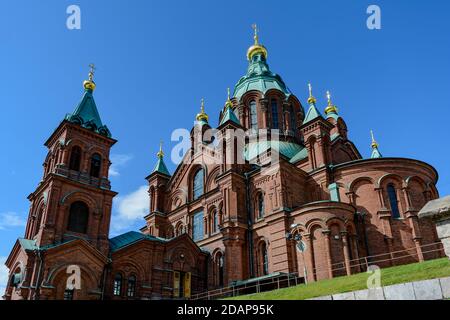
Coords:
228,114
331,108
256,47
375,152
86,113
202,116
160,165
312,112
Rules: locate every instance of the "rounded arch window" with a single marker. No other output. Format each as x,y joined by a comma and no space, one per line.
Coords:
253,116
117,286
265,259
131,290
96,162
198,185
260,205
75,158
392,194
78,217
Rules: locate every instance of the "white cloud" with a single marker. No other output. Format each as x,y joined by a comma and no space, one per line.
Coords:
130,208
4,272
11,220
117,161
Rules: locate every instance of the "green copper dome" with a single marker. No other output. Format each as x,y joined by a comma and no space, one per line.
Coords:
259,78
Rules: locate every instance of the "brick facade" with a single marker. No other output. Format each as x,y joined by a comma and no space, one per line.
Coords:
337,202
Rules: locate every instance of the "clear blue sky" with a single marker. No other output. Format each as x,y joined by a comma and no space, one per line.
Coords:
157,59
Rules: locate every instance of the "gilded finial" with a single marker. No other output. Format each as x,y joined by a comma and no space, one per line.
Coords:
374,142
330,107
160,153
255,35
256,47
90,84
228,103
202,116
311,99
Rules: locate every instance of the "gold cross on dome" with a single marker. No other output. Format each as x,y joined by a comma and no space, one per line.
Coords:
91,71
255,29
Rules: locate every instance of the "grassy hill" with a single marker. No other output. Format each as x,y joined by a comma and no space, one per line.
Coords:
412,272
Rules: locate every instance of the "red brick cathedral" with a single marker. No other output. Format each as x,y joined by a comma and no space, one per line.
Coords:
317,213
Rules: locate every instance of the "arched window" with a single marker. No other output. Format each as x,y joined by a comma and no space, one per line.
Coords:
198,227
392,194
260,205
265,259
292,117
131,290
215,220
274,106
78,217
75,159
117,288
253,117
96,162
198,184
221,270
68,294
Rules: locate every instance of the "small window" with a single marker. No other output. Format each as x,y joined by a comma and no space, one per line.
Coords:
265,259
75,159
260,205
96,161
198,184
68,294
117,289
78,217
253,117
197,232
393,201
274,107
221,271
131,290
215,221
292,117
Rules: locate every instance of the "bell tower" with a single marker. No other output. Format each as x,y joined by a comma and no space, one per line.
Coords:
74,198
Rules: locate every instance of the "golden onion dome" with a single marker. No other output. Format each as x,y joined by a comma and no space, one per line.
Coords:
202,116
330,107
90,84
256,47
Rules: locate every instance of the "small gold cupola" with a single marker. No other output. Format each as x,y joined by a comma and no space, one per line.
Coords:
90,84
160,153
374,143
330,107
311,99
256,47
202,116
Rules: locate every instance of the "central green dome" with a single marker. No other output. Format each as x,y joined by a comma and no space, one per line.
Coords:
259,78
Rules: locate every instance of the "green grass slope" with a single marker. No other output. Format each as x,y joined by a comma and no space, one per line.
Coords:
412,272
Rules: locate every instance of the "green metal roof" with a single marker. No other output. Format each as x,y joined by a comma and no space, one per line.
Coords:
161,167
312,113
287,149
259,78
86,115
229,115
376,154
28,244
302,154
129,238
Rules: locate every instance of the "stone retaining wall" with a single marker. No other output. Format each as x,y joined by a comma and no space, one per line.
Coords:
434,289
